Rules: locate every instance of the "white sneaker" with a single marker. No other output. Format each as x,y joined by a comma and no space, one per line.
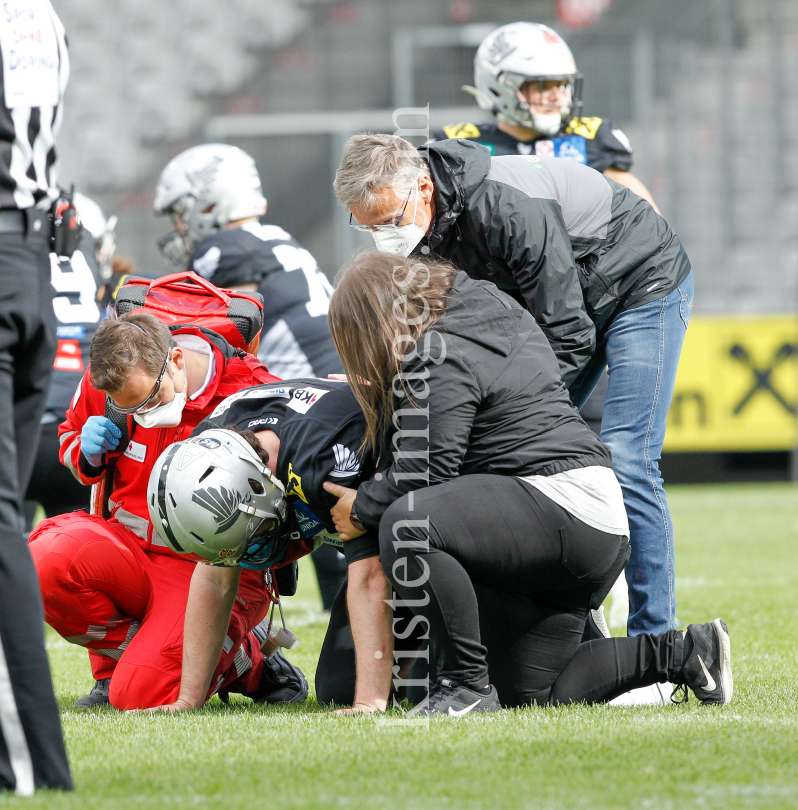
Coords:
652,695
600,622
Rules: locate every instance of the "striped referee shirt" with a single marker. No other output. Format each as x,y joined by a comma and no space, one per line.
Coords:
34,71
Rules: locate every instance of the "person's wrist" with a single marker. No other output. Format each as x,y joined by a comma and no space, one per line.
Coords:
354,519
189,701
371,705
93,459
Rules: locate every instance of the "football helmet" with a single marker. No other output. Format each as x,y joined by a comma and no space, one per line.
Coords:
210,497
518,53
203,189
103,230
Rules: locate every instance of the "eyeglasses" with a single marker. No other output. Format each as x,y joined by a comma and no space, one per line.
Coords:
143,405
355,225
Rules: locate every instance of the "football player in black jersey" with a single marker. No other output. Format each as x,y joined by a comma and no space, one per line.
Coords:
214,194
78,314
307,431
526,76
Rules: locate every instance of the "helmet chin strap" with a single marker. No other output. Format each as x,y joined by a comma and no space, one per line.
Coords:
251,510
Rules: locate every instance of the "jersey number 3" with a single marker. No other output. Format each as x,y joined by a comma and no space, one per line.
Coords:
319,289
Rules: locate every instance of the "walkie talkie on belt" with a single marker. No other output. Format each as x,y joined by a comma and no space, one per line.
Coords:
66,228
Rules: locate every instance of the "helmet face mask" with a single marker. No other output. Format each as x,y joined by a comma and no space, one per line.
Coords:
203,189
212,498
519,53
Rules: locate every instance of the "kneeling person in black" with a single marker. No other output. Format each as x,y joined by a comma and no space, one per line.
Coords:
500,520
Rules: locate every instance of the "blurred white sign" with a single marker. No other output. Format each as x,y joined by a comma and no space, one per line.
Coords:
581,13
30,54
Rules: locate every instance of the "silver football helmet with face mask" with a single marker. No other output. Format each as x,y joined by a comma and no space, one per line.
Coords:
518,53
203,189
210,497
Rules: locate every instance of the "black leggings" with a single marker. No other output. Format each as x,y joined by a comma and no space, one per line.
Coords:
504,578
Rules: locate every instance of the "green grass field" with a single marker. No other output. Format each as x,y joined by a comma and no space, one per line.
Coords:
737,557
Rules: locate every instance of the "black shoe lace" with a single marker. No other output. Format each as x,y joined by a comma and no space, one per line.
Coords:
100,686
685,696
436,696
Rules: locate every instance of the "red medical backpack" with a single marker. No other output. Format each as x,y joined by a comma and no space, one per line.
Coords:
182,298
186,298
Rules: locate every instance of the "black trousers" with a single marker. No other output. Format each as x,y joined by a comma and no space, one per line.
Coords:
31,745
51,484
330,571
502,579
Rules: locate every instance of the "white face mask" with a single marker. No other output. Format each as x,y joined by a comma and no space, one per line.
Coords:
546,123
399,239
169,414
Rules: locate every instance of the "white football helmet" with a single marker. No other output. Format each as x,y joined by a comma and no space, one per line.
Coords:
210,497
518,53
103,230
203,189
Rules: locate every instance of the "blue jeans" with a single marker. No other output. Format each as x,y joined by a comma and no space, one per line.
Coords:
641,350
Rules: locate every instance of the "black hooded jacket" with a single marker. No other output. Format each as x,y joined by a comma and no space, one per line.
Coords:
488,399
572,246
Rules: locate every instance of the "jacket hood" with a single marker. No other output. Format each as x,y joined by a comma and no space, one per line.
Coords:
480,313
457,168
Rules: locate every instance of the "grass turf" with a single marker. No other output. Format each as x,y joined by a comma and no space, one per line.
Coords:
737,549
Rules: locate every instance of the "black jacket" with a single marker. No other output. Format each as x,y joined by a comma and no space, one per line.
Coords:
571,245
488,399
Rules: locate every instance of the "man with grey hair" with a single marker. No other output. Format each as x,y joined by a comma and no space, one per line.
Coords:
604,275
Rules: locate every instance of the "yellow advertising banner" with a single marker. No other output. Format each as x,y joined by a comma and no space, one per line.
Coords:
737,385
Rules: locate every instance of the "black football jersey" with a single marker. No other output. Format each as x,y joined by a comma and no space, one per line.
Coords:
596,142
320,426
78,315
296,340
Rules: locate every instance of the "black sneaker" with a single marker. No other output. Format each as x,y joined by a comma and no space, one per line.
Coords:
707,668
97,697
280,682
595,626
452,700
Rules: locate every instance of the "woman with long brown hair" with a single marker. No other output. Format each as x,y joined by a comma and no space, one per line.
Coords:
499,518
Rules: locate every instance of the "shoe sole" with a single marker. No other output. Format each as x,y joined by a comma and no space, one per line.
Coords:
299,697
726,678
597,616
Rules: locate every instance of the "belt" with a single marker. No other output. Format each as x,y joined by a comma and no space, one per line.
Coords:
12,220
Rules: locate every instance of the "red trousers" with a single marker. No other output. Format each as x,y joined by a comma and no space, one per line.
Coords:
102,590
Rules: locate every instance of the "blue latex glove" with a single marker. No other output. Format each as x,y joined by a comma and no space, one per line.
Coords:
99,435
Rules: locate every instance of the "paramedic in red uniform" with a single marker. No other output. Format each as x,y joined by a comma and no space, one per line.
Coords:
112,585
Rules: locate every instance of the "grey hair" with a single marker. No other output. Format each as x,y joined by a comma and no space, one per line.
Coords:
372,162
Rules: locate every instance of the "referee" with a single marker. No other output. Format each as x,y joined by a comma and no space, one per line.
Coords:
35,70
